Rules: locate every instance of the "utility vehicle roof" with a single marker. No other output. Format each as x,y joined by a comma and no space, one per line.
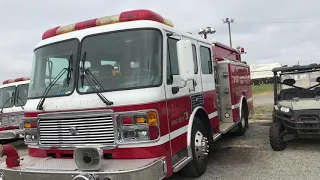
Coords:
297,68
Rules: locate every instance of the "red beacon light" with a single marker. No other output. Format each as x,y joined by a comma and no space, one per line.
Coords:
241,50
134,15
15,80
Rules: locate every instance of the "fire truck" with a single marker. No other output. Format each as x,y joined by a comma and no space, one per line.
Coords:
13,96
128,96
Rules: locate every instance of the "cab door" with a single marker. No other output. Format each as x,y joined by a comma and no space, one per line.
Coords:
178,98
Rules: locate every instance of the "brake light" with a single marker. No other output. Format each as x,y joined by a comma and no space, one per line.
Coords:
126,16
15,80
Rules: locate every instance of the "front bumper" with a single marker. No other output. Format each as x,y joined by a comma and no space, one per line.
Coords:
302,127
32,168
11,134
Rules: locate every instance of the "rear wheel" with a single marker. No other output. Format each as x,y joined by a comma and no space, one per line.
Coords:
200,149
276,140
242,125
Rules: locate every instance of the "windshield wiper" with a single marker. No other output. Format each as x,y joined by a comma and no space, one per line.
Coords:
94,80
10,98
46,91
67,82
19,99
55,80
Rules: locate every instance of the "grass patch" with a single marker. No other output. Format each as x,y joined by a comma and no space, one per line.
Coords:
262,89
263,110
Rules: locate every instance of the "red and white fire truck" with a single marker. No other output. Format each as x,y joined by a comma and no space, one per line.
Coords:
13,96
128,97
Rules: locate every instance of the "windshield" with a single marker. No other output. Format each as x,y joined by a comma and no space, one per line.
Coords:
123,60
304,80
7,99
48,62
21,94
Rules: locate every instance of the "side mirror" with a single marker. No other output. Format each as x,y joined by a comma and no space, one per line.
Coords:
185,60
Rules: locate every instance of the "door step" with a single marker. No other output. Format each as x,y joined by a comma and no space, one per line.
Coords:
225,127
216,136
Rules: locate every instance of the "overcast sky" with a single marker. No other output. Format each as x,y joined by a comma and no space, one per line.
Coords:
23,22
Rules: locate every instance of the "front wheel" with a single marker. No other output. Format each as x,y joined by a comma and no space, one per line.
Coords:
276,140
200,149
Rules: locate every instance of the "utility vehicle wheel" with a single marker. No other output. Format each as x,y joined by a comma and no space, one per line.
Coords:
200,149
242,126
276,140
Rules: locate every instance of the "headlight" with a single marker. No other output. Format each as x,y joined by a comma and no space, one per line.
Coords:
30,131
5,121
30,136
285,109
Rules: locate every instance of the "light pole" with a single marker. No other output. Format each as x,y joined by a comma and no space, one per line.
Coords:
205,31
229,21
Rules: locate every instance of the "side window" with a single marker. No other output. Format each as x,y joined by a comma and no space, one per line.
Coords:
173,56
206,63
194,52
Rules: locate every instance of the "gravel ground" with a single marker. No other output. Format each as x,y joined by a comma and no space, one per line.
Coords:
251,157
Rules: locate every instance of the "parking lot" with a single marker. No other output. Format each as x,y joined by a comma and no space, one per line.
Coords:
251,157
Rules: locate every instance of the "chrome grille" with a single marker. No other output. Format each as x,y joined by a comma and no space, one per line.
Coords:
77,129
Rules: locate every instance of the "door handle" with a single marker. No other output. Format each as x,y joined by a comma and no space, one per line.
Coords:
195,83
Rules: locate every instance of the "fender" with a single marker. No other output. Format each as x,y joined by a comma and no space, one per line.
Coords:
190,129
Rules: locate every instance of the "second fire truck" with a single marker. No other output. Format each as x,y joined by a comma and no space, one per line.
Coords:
13,97
128,97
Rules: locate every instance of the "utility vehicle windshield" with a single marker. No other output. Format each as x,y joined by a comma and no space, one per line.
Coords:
303,80
301,85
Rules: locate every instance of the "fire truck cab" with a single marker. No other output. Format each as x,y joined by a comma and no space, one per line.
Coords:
128,97
13,97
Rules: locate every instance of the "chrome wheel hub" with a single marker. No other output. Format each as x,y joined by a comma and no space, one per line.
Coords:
201,146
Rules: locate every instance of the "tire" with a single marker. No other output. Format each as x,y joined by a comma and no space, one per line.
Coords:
196,167
276,140
243,124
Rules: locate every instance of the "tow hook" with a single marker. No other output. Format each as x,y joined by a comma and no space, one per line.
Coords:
13,159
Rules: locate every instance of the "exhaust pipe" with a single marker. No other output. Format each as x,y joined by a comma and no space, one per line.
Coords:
13,159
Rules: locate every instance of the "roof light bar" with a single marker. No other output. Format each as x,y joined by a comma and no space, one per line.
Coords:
134,15
15,80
